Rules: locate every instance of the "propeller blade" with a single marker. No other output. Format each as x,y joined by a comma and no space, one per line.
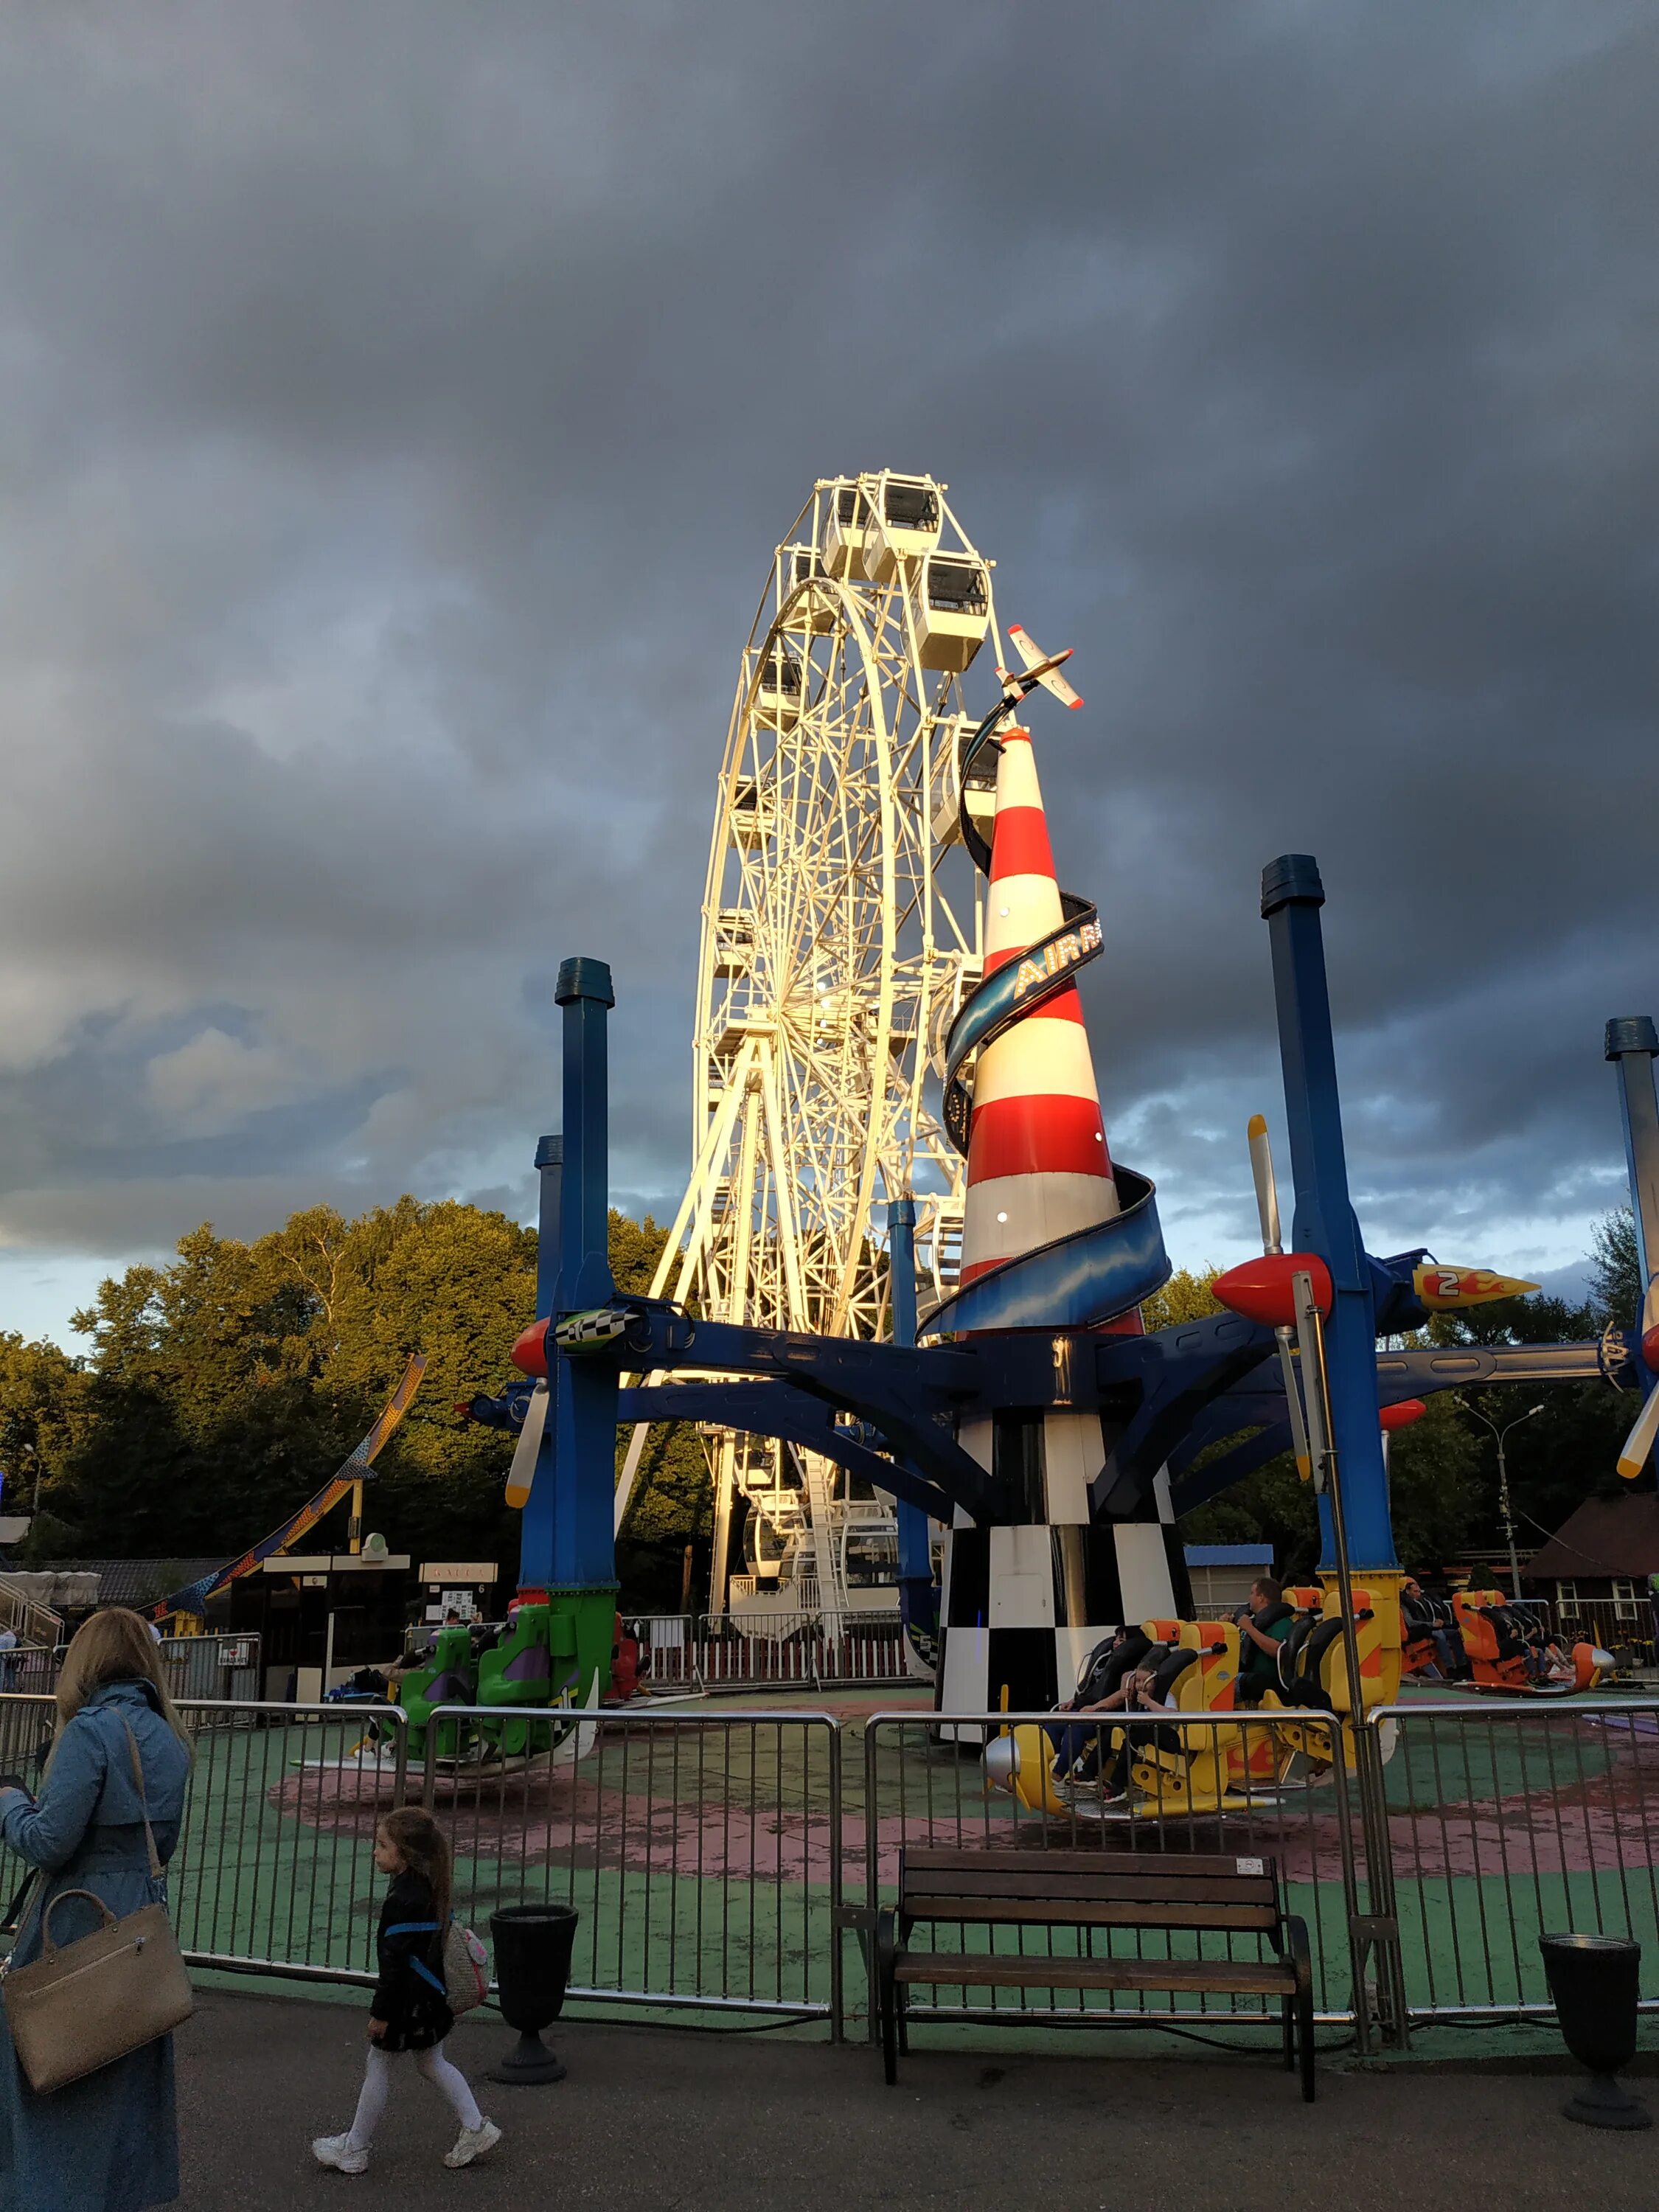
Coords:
1293,1400
1266,1190
1639,1443
1312,1440
522,1473
1267,1207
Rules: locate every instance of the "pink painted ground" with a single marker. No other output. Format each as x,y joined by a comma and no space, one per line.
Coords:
688,1818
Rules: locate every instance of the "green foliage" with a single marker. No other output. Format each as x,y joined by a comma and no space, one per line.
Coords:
44,1415
1185,1296
1616,1285
1272,1506
223,1390
225,1387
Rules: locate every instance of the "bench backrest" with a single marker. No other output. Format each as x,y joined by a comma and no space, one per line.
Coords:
1089,1889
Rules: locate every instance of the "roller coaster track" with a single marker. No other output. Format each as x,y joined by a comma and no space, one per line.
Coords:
356,1464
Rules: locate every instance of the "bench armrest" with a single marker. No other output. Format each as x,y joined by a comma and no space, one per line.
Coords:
887,1940
1299,1950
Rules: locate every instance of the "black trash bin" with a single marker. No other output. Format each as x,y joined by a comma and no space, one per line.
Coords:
1593,1982
533,1945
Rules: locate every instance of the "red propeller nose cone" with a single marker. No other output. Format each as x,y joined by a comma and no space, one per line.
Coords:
529,1352
1263,1289
1402,1415
1651,1349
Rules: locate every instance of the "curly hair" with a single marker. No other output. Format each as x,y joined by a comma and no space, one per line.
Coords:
424,1850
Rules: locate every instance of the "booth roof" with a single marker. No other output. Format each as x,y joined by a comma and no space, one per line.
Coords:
1230,1555
136,1581
1604,1536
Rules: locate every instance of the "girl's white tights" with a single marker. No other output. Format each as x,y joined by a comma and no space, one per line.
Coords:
431,2066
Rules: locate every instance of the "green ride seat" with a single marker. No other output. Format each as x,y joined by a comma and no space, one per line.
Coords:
518,1671
450,1680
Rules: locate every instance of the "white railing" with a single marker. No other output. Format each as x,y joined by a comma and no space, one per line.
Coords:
30,1622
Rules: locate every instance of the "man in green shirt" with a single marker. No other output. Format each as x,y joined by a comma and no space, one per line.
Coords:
1261,1632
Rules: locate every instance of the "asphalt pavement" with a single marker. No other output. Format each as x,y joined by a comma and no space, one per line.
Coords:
654,2119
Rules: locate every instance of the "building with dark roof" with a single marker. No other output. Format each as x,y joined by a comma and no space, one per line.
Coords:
1595,1566
136,1582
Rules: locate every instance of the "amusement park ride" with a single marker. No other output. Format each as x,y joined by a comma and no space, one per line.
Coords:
868,1024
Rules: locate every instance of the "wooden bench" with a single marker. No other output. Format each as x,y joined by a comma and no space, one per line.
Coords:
1082,1890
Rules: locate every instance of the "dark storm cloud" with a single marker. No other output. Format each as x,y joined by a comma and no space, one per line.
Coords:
398,406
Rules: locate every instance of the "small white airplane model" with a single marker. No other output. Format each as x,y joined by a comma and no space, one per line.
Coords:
1043,667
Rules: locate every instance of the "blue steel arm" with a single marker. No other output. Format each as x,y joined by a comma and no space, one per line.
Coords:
1177,1371
1257,1404
908,1396
778,1409
1292,895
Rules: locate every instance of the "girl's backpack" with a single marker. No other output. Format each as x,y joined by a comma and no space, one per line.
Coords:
466,1969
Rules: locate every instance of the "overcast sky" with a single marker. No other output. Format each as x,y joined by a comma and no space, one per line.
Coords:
398,404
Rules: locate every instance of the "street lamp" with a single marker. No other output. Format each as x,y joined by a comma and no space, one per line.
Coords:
1504,1479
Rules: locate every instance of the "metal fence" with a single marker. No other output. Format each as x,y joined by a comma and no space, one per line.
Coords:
922,1784
723,1651
274,1867
194,1667
734,1860
1618,1626
1507,1821
702,1851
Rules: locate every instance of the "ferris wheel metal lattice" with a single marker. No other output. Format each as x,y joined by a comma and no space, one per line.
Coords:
833,958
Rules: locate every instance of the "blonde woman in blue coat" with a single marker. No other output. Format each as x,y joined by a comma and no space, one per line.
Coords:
108,2142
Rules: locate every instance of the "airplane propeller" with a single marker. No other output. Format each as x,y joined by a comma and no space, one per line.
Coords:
1273,1241
1639,1444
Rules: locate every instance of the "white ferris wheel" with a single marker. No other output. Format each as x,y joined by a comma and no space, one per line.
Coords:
834,957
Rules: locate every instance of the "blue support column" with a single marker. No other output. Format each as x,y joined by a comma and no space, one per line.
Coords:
536,1527
1292,895
1632,1045
918,1600
582,1581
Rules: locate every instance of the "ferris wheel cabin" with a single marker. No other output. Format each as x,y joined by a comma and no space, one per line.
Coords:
778,692
951,611
802,606
844,533
752,818
903,524
734,941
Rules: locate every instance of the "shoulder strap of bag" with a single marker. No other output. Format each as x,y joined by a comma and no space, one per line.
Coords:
138,1777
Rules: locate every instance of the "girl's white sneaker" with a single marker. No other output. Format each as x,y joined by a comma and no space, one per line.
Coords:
473,2142
337,2151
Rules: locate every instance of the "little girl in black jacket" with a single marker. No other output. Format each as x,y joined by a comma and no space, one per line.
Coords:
411,2011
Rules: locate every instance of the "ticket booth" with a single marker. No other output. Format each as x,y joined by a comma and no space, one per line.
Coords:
323,1616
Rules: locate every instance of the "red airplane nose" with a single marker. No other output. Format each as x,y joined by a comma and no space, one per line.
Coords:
1402,1415
1262,1289
1651,1349
529,1352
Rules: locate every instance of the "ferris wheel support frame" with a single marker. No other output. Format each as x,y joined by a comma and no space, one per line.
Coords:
848,652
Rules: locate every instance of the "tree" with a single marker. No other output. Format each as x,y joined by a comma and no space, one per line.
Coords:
44,1416
1615,1274
224,1389
1185,1296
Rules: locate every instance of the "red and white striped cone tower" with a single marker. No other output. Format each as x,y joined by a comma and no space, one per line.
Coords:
1024,1605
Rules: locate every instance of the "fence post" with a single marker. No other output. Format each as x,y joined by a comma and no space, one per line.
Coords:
837,2012
400,1768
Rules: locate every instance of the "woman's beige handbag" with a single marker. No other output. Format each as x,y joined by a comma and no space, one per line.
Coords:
81,2006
